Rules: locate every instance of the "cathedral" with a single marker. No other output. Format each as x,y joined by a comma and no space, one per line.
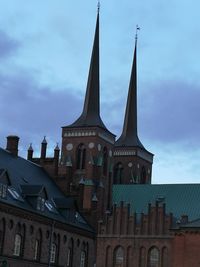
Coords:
93,203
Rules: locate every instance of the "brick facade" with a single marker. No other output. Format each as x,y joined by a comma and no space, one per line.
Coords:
15,221
136,234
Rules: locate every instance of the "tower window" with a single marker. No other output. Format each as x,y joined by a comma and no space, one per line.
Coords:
118,173
143,178
81,155
105,161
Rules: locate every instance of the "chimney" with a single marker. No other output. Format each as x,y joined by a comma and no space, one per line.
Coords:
56,158
43,148
12,144
30,152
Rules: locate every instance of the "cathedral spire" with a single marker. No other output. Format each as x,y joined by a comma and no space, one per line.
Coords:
91,111
129,136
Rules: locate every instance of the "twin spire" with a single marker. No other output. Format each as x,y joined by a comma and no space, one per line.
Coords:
91,111
129,136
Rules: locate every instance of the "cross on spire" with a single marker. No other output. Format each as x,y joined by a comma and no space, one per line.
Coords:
98,7
129,136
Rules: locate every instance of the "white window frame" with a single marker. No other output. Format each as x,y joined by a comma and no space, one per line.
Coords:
69,255
82,258
36,250
53,253
3,190
17,245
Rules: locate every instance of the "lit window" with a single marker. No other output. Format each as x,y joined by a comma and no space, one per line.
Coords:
36,251
17,247
53,253
3,190
82,260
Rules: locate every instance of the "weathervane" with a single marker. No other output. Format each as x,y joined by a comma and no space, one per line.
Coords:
136,34
98,6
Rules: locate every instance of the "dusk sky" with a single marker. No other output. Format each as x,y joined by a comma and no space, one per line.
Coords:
45,49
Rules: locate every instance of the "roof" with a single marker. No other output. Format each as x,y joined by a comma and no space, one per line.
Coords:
192,224
28,178
180,199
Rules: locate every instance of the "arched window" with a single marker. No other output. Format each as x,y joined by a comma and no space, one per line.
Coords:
53,253
108,256
119,257
70,253
83,259
142,259
19,241
105,161
153,257
81,154
118,172
2,235
38,245
143,178
165,257
129,258
17,245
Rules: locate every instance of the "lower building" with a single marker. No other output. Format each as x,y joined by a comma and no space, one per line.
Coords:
39,225
159,227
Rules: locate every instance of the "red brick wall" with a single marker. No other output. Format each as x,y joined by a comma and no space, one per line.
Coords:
186,251
15,219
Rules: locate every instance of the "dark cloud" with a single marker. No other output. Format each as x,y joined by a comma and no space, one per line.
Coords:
7,45
31,111
170,111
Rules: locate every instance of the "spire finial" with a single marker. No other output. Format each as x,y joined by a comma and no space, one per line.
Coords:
98,7
136,34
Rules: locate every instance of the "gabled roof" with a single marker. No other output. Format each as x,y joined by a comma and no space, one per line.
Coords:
30,179
180,199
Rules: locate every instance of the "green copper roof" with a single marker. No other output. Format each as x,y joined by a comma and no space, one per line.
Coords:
180,199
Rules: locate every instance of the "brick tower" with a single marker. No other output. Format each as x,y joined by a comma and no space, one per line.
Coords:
87,148
132,162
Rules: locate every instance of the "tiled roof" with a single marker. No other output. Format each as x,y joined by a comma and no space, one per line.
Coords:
180,199
28,178
192,224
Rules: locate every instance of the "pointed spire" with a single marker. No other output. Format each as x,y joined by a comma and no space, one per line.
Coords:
91,111
30,147
129,136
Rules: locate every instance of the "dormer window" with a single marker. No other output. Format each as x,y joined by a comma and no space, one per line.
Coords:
14,193
50,206
40,203
3,191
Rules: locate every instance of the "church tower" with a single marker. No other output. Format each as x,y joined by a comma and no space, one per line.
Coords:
87,148
132,162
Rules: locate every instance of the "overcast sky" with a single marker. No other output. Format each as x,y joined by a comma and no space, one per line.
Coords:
45,49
